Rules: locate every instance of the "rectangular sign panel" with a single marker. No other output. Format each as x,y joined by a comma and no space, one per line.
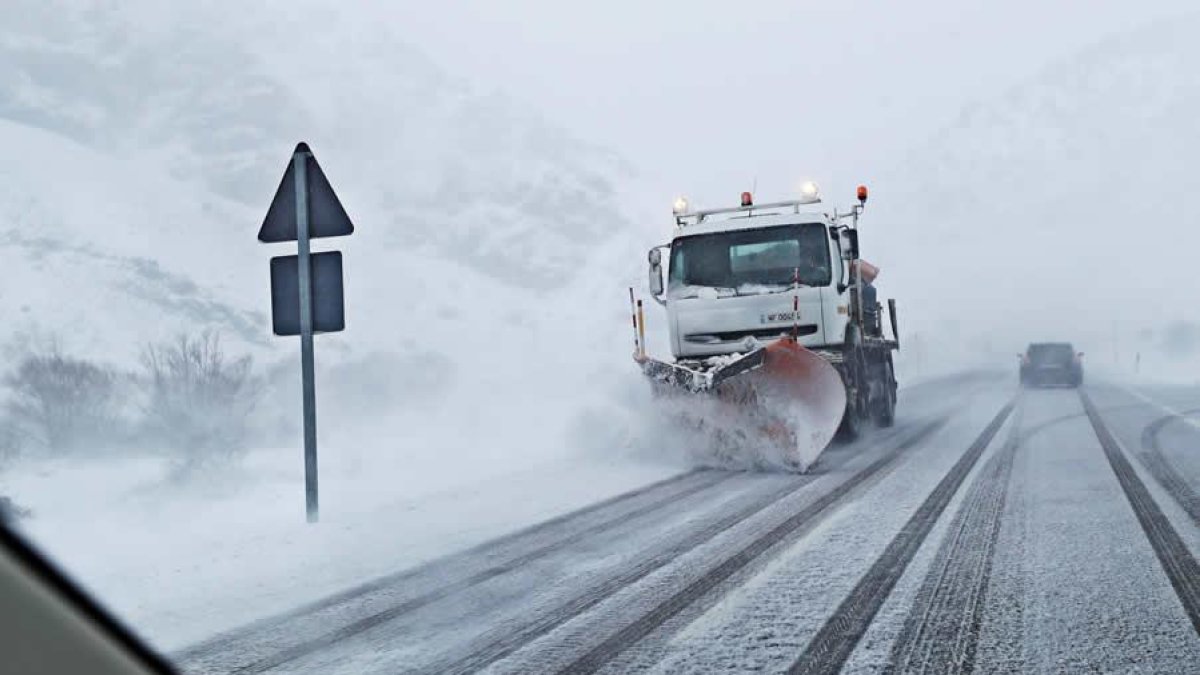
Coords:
329,312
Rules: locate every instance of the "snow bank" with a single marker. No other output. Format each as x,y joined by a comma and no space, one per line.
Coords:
182,561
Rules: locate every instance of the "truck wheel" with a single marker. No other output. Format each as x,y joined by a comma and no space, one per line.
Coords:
885,405
852,423
885,408
856,373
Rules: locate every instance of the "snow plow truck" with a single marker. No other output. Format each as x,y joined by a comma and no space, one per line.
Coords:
775,328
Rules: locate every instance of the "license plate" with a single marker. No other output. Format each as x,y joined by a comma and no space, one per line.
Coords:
779,316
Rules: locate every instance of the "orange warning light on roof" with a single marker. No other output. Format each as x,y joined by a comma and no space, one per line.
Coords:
862,193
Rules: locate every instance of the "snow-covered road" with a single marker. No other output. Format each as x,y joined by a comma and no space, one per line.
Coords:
991,530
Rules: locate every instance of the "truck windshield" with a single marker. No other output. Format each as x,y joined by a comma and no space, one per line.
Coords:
752,258
1051,353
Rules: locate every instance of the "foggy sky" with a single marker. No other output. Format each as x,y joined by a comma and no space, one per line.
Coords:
707,97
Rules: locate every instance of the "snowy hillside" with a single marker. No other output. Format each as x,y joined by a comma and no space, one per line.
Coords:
146,140
107,253
1088,168
431,163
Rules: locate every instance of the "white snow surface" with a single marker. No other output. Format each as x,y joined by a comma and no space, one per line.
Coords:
484,380
181,562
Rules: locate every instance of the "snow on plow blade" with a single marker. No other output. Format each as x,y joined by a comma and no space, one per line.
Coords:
779,405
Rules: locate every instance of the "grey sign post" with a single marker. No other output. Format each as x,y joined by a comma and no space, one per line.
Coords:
307,376
305,207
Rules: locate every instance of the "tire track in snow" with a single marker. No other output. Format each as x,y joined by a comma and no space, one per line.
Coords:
1177,561
832,645
1163,471
504,640
599,655
942,631
276,640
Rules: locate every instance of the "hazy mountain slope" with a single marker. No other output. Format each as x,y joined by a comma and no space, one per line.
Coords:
1060,201
105,254
221,93
486,273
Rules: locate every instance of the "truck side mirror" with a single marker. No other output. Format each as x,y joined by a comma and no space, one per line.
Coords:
849,244
656,280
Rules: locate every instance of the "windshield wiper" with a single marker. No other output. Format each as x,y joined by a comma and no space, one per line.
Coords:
772,289
694,290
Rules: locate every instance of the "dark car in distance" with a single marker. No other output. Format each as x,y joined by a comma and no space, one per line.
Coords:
1051,363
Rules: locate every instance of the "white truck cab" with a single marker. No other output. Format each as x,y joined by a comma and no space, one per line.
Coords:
747,275
769,295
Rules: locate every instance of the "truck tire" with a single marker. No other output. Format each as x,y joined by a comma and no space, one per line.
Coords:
855,373
852,422
885,405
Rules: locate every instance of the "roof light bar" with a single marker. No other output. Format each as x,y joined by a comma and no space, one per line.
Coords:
810,192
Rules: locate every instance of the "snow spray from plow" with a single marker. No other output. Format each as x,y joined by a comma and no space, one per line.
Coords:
777,406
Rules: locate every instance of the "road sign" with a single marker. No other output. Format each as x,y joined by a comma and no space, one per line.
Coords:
326,217
328,310
304,207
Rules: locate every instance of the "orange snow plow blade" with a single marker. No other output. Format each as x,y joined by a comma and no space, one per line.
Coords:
779,405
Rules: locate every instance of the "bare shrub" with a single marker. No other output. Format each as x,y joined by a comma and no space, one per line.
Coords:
61,404
198,402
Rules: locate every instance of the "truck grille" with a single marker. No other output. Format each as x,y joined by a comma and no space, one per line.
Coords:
733,336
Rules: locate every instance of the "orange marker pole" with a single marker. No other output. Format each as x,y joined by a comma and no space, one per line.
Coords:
637,345
641,324
796,304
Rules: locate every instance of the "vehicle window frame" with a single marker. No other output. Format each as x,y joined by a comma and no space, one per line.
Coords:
677,260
